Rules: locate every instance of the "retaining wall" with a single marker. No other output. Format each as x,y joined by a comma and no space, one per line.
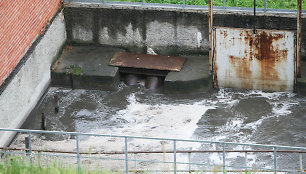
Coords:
30,79
167,31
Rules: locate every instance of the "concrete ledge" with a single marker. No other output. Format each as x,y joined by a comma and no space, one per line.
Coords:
93,61
193,77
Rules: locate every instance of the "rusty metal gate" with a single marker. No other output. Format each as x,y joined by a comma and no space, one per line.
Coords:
265,60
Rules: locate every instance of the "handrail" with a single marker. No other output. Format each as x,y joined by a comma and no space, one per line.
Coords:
29,150
183,5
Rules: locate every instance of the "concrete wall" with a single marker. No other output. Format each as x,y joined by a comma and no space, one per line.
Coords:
167,31
31,78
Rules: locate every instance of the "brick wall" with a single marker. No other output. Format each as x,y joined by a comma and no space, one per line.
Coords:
21,21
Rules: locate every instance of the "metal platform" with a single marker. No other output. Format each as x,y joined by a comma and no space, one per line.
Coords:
147,61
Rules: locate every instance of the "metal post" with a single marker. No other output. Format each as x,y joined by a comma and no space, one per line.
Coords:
126,156
189,161
275,161
174,153
299,38
223,156
143,2
265,9
78,152
254,17
184,4
246,159
135,159
56,108
30,146
224,4
301,161
210,21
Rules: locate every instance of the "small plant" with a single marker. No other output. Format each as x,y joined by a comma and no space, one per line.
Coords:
74,70
17,165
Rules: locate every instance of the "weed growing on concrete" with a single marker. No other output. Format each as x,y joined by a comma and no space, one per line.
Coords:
74,70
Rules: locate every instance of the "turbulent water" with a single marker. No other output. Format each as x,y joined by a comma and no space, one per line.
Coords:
220,115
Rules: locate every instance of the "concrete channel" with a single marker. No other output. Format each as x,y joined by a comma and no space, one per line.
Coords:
87,95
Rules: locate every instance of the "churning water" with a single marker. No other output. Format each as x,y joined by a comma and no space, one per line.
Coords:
220,115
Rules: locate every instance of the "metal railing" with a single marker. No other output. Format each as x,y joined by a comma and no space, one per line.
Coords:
78,155
183,4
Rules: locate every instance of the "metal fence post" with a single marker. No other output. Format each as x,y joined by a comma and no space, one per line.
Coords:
184,3
189,161
126,156
275,161
174,157
224,4
135,158
78,152
30,146
301,161
265,9
143,2
223,156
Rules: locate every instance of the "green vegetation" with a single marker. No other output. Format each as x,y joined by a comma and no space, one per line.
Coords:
272,4
74,70
19,166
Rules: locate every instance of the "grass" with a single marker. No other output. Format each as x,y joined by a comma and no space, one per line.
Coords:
18,166
272,4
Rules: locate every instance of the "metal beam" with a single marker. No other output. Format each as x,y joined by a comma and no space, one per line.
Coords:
210,21
299,37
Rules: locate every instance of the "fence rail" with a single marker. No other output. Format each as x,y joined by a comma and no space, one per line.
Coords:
78,155
183,4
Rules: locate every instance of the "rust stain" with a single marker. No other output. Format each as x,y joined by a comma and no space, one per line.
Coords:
68,47
225,34
268,56
147,61
263,49
215,67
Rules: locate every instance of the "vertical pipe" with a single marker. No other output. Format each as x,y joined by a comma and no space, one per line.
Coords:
275,161
223,156
26,142
299,38
224,4
78,152
43,121
265,9
126,156
301,161
184,3
210,21
174,157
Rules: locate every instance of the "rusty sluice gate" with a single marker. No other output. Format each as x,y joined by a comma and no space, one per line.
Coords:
263,60
154,67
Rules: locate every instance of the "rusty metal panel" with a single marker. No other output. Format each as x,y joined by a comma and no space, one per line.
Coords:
264,61
147,61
